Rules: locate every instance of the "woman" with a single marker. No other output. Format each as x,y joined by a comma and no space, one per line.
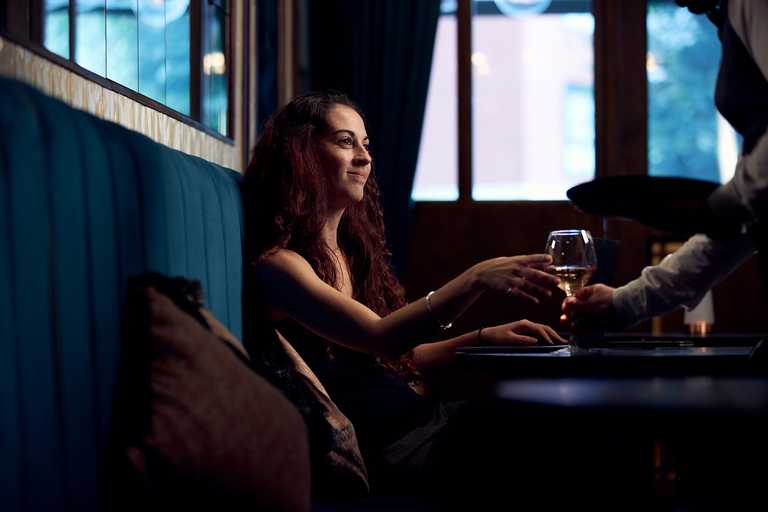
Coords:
315,240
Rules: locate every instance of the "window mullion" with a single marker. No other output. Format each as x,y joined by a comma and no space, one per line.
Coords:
621,127
196,60
464,54
72,29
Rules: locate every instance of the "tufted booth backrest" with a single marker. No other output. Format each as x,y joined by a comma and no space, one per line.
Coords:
84,204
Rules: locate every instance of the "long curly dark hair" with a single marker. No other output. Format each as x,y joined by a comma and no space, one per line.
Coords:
285,204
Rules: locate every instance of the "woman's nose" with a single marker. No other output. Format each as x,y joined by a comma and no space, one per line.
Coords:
362,157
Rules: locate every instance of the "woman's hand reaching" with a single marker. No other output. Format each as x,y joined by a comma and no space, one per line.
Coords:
526,277
522,332
520,276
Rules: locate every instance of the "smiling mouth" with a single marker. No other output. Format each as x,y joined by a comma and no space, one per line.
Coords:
358,175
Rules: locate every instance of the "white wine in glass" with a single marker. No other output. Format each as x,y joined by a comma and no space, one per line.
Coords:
573,258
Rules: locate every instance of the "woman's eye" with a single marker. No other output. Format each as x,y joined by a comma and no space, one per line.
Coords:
367,147
346,141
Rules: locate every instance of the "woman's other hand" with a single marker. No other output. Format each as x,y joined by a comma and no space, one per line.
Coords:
526,276
589,310
522,332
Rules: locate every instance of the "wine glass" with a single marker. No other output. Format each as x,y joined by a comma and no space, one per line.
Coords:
573,258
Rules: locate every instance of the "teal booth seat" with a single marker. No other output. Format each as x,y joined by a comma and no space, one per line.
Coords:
84,204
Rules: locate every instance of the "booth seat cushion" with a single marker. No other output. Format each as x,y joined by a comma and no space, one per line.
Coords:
84,204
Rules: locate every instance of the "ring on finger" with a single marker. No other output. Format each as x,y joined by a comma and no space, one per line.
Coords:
508,291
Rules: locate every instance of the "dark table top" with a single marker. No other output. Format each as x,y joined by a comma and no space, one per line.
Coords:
689,414
671,396
649,356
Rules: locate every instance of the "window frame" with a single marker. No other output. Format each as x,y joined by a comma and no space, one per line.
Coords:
621,127
492,228
24,26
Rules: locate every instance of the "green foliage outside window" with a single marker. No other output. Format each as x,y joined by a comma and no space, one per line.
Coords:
683,57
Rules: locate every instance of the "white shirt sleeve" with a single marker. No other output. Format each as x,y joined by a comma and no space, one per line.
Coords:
681,279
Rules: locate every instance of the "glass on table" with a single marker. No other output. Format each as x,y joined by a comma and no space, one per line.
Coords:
574,259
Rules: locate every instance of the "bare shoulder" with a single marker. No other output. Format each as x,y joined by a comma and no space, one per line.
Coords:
284,263
290,285
284,257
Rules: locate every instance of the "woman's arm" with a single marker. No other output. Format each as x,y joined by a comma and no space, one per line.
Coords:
524,332
294,289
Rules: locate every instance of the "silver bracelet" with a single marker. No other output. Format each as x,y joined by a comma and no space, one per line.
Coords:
443,327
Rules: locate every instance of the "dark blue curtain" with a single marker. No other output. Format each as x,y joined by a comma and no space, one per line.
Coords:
266,16
379,52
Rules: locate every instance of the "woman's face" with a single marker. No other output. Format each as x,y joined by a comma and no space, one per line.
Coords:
344,155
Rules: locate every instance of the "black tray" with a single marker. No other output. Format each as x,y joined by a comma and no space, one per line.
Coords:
675,205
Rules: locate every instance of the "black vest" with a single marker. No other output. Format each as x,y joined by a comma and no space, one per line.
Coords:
741,94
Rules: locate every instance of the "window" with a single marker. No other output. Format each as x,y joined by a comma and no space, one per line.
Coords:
56,33
214,86
533,113
630,93
686,135
173,52
437,169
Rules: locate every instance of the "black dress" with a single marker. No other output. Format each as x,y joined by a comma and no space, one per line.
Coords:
396,427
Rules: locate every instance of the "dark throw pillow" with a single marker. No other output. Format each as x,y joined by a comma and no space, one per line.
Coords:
193,425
